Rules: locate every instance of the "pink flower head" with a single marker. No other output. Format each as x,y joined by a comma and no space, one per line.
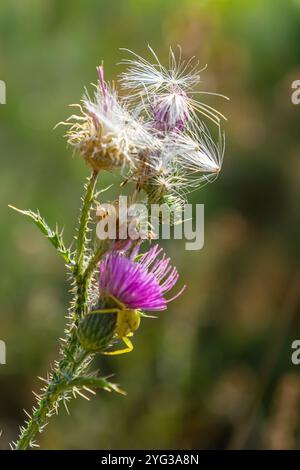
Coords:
171,111
139,284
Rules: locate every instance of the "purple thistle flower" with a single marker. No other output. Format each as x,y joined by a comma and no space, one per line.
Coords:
171,111
138,284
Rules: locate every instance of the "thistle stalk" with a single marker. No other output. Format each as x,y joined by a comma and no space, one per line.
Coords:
80,279
83,220
66,376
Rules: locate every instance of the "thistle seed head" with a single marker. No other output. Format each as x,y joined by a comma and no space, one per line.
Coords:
167,94
105,133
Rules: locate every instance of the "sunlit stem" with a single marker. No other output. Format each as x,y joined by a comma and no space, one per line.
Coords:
81,279
83,220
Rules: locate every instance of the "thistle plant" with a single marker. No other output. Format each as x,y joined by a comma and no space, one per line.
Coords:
156,137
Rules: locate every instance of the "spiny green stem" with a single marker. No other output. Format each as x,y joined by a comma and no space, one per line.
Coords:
102,248
81,281
55,391
47,405
73,360
83,221
81,298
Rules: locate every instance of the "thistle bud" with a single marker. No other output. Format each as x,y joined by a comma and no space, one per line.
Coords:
96,330
161,194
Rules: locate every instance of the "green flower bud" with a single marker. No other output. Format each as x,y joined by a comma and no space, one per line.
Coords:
96,330
161,195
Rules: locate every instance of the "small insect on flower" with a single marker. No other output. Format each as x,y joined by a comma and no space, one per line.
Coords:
167,93
129,284
105,133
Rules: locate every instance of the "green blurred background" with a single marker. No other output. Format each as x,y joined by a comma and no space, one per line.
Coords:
215,370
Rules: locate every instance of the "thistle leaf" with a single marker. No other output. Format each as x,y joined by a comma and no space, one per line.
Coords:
95,382
55,237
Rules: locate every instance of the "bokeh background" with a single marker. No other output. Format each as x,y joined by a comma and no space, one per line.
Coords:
215,370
